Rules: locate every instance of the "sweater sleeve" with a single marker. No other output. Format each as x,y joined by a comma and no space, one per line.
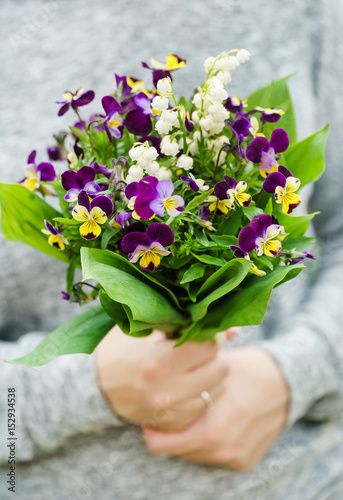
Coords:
310,349
52,402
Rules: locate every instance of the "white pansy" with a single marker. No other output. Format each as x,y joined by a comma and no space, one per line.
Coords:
160,103
243,55
168,147
185,162
164,86
164,174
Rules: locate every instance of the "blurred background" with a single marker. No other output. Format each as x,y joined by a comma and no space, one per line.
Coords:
50,46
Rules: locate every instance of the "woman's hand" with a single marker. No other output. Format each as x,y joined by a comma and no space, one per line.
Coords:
243,423
150,383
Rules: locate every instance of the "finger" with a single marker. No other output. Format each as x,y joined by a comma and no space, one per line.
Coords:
180,416
205,377
233,332
193,354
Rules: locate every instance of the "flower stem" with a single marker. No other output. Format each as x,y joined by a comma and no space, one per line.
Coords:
86,130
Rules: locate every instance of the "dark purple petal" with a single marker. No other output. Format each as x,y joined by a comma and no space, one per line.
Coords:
85,98
131,190
270,117
122,217
305,255
32,156
283,170
143,102
142,208
246,239
131,241
158,74
189,124
53,153
272,181
128,105
110,105
238,252
259,224
242,126
161,233
147,187
68,180
104,203
85,175
136,226
233,108
138,123
51,228
192,184
205,213
220,190
47,172
255,149
62,111
230,181
126,90
241,151
101,169
279,140
83,200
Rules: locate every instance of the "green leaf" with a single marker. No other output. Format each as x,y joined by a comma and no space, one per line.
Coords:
218,284
81,334
196,271
295,226
301,243
128,286
248,305
67,222
70,274
230,225
264,261
80,134
276,95
201,237
224,240
306,159
250,212
107,235
22,218
268,209
197,200
208,259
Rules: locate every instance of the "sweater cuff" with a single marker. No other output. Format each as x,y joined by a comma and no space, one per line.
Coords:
305,360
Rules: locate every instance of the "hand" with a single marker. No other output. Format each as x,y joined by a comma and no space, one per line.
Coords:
149,382
243,423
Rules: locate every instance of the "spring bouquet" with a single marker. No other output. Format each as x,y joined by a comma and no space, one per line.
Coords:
179,212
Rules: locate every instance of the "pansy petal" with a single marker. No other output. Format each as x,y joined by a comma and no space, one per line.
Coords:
242,126
80,213
255,148
110,105
220,190
290,202
47,172
272,231
246,239
142,101
150,261
292,184
92,189
72,195
267,161
98,215
90,230
241,187
174,205
62,111
230,182
50,227
131,240
157,206
137,253
260,223
83,200
238,252
259,245
283,170
158,249
85,98
147,187
142,208
55,240
138,123
161,233
32,156
192,184
279,140
122,217
131,190
279,193
104,203
272,248
243,199
165,188
68,180
84,175
272,181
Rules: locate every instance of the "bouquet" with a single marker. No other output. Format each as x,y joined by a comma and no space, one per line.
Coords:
179,212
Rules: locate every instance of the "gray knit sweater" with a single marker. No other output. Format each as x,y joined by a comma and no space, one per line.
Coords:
70,445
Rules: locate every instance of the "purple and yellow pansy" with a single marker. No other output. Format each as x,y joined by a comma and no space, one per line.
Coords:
75,100
82,180
36,174
263,152
283,185
260,235
233,190
92,213
148,247
56,238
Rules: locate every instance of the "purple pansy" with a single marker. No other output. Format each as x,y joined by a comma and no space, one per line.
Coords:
283,185
233,190
195,184
148,247
121,218
153,197
35,174
262,151
75,182
75,100
113,123
242,126
138,120
270,115
234,105
92,214
260,235
56,238
302,256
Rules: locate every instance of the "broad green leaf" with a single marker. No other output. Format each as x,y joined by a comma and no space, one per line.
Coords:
230,225
115,311
201,237
268,209
306,159
219,284
126,285
224,240
81,334
296,226
250,212
22,218
191,331
196,271
301,243
197,200
248,305
68,222
276,95
208,259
